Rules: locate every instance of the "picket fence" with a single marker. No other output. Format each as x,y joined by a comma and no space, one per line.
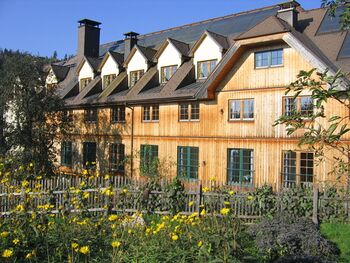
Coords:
130,196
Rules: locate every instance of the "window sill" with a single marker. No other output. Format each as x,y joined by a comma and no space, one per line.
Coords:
189,120
118,122
242,120
144,121
267,67
251,185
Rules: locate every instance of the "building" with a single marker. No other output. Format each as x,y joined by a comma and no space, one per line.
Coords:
203,96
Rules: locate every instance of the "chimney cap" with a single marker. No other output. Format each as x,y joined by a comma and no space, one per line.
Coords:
131,34
89,22
288,4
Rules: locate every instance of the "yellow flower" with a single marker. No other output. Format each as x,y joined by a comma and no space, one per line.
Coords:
15,241
116,244
85,172
107,176
112,218
206,189
125,191
4,234
174,237
203,212
29,255
129,231
250,197
190,203
7,253
213,179
74,245
31,165
19,208
231,192
82,184
227,203
25,183
200,243
86,195
224,211
84,250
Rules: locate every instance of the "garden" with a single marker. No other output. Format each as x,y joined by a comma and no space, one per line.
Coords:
93,218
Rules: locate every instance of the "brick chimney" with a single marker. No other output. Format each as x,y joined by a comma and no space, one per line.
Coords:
88,38
129,42
288,12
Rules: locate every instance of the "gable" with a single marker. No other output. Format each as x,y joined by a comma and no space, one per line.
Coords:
137,62
170,56
51,78
110,67
86,71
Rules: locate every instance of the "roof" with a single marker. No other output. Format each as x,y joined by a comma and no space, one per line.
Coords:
60,71
315,33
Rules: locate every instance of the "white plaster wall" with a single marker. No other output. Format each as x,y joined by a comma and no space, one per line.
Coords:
169,57
86,71
207,50
51,78
110,67
137,62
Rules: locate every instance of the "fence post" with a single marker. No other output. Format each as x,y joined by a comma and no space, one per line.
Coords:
315,205
199,198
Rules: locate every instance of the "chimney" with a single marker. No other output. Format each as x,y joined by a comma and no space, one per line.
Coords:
288,12
88,38
129,42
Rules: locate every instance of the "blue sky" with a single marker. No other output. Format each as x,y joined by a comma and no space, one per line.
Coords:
43,26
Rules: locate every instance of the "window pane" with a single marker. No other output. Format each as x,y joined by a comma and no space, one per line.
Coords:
184,108
66,153
155,112
306,106
91,115
276,57
306,167
116,157
240,166
146,113
89,154
290,106
248,109
289,167
188,162
195,111
205,68
149,159
235,109
135,76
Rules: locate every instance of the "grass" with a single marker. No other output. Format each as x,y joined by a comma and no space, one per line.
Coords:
340,235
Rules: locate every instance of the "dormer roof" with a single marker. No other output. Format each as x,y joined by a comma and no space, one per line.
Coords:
93,63
181,47
59,71
147,53
118,58
220,40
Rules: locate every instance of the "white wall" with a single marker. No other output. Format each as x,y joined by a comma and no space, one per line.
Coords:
51,78
110,67
137,62
86,71
207,50
169,57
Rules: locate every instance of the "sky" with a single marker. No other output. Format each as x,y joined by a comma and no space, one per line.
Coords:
44,26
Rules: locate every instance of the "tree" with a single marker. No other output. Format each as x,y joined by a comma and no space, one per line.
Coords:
345,15
31,116
320,132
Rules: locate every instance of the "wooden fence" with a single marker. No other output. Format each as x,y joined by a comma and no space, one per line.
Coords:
118,194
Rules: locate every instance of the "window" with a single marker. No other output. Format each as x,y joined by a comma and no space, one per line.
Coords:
91,115
303,105
149,159
241,109
67,116
189,111
298,167
89,154
135,76
150,113
66,153
240,168
187,162
107,79
118,114
166,73
116,157
84,82
271,58
204,68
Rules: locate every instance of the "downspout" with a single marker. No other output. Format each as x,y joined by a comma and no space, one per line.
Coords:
132,141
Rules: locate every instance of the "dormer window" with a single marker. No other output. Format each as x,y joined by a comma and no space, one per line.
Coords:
84,82
135,76
205,68
107,79
167,72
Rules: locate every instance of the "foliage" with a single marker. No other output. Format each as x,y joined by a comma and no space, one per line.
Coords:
345,16
288,236
175,196
340,235
317,136
30,117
